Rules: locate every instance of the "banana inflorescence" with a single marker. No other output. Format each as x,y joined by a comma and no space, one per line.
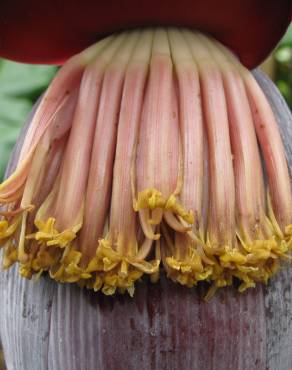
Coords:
153,149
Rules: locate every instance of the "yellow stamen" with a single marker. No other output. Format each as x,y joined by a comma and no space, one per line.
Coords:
153,199
7,229
49,235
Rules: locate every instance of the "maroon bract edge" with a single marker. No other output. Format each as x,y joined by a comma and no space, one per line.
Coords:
51,31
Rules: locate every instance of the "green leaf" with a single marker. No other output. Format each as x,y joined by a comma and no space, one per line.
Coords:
287,39
20,86
19,79
13,109
5,152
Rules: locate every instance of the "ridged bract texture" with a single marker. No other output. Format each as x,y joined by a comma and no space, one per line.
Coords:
45,325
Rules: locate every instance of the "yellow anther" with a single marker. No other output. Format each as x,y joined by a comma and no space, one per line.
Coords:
48,234
174,206
6,229
149,198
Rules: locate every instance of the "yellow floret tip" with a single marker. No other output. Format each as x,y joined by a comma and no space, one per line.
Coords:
107,270
6,229
174,206
188,271
149,198
50,236
152,199
10,256
69,270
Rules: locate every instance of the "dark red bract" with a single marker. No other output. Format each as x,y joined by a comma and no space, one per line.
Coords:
38,31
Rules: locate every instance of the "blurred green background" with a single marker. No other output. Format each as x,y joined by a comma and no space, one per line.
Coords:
283,66
21,84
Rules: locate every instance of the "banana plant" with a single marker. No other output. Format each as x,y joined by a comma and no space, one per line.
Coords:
152,183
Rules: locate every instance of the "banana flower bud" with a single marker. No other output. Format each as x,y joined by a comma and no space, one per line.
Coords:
152,151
